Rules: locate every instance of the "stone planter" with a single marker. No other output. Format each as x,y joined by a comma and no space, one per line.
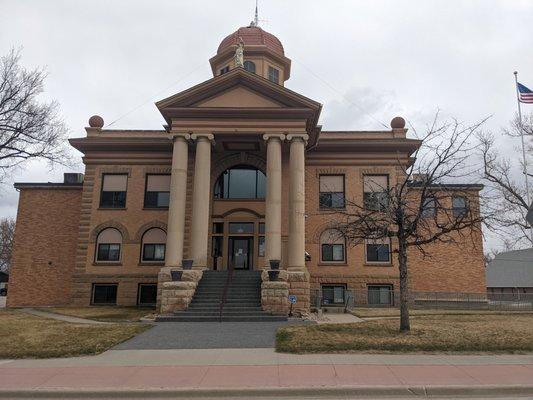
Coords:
176,275
274,264
186,264
273,275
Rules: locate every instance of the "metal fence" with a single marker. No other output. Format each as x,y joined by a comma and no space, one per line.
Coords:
350,299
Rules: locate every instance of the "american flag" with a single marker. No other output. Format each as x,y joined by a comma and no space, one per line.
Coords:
525,95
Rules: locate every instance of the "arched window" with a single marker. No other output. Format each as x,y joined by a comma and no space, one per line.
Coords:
249,66
240,182
108,245
332,246
153,245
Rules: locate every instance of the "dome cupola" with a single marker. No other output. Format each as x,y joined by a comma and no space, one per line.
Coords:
263,54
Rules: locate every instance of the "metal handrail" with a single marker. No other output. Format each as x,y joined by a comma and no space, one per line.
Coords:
225,291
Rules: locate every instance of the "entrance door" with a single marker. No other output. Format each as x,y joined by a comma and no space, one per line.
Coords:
240,252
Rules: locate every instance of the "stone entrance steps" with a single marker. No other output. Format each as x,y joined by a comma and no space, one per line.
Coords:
242,304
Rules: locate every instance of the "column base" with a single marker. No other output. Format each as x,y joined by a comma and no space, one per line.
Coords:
299,286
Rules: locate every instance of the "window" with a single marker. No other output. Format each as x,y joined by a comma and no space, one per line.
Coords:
261,240
380,294
153,245
147,294
104,294
273,74
241,182
108,245
459,206
224,70
218,227
333,294
241,227
429,208
378,250
332,246
113,193
261,248
249,66
157,194
375,189
216,249
331,191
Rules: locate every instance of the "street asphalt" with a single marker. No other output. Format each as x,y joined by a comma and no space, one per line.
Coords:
205,335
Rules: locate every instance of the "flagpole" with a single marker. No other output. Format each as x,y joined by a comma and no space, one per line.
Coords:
524,158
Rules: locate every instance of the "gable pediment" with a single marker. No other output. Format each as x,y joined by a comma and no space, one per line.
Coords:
239,97
226,90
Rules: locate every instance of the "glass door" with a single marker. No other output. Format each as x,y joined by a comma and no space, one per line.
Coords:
240,252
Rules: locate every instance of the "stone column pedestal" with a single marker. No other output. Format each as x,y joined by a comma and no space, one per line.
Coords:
173,296
275,294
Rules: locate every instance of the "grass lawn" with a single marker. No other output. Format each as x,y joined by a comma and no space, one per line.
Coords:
28,336
104,313
395,312
443,333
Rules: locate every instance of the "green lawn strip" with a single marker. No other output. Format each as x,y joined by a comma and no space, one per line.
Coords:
104,313
28,336
395,312
443,333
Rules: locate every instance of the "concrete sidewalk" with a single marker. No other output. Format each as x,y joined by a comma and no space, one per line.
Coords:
246,370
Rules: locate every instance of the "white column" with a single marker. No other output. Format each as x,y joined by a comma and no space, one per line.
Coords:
273,198
201,199
176,206
297,201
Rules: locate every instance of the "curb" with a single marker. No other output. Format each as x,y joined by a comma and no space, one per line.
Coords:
246,393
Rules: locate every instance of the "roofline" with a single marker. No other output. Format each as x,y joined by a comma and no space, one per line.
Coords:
47,185
466,186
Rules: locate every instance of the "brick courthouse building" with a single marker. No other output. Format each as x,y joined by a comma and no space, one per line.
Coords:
240,175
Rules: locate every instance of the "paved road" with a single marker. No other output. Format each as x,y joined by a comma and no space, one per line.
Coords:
205,335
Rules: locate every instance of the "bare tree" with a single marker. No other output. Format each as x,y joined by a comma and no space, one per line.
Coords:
7,232
505,185
420,205
29,128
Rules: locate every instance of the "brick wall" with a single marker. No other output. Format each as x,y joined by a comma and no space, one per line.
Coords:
445,267
44,249
132,222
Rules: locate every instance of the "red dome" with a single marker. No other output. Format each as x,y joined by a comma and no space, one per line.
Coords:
252,36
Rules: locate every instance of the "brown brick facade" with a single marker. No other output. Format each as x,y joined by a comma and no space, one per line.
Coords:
44,247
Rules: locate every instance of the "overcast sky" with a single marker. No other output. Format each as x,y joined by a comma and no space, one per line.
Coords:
365,61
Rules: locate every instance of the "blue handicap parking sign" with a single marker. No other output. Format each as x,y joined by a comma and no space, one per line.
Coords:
292,299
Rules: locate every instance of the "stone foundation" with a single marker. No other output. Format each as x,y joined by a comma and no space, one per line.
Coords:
275,294
299,286
173,296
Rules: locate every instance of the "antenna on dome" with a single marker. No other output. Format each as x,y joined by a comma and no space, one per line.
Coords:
255,22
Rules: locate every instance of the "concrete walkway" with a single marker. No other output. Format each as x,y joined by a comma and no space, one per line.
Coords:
59,317
263,371
206,335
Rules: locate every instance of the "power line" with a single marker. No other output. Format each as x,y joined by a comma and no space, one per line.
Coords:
340,93
155,94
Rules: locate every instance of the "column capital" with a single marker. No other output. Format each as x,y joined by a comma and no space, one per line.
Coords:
279,136
181,135
206,135
294,136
